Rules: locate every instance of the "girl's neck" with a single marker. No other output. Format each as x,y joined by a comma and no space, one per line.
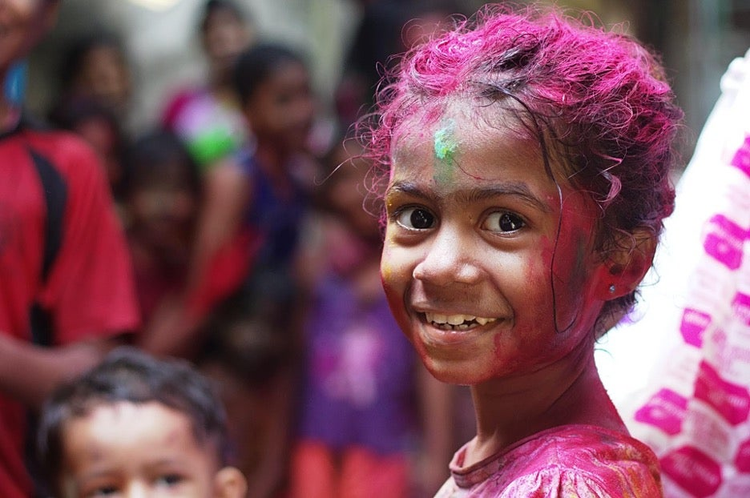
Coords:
567,392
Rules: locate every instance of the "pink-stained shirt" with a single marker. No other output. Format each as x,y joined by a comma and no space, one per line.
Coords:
569,461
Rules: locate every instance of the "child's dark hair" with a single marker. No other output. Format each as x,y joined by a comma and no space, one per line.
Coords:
149,154
129,375
597,102
213,6
257,63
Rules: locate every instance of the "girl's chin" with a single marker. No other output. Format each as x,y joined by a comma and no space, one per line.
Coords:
455,372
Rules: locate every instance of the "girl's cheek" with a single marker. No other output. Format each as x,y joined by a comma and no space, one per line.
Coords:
538,267
385,272
389,266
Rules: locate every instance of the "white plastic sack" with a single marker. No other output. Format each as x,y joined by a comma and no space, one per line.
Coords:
679,368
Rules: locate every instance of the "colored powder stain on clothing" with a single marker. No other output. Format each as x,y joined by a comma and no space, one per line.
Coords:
446,149
569,460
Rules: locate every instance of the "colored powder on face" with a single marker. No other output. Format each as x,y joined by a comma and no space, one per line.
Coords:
385,272
445,151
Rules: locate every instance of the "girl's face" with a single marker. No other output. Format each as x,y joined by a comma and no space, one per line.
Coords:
280,110
473,266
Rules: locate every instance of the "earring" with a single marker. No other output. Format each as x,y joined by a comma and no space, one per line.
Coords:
612,289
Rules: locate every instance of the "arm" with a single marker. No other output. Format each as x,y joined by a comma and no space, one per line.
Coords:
173,330
29,373
226,195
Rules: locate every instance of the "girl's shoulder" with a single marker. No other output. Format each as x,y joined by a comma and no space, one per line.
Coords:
572,460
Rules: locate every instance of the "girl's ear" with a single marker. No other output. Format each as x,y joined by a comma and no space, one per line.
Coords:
229,482
627,263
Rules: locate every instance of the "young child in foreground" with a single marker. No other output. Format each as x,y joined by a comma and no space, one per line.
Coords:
528,160
137,426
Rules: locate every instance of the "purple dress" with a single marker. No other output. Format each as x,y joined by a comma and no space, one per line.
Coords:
359,382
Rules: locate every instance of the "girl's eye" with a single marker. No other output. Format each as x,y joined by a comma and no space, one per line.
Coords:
103,491
415,218
503,221
169,479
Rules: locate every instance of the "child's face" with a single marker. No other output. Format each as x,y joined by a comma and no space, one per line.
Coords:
22,22
471,252
105,75
128,450
225,37
280,110
163,208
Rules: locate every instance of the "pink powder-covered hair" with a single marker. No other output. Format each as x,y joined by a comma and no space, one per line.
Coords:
596,100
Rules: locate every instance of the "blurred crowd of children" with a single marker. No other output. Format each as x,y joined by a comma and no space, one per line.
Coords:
256,255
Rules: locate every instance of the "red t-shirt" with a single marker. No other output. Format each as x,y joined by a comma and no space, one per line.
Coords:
89,289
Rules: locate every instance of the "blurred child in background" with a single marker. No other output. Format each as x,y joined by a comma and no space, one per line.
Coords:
242,284
96,67
250,355
358,426
161,191
254,204
137,426
208,118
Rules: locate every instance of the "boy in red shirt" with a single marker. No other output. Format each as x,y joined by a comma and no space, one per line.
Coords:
62,253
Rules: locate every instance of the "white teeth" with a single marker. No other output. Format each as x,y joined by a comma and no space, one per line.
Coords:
458,319
461,322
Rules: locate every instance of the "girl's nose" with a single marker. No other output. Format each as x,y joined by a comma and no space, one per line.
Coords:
138,490
449,259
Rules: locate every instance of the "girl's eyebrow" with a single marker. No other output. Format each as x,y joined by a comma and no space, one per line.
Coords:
410,189
475,194
503,189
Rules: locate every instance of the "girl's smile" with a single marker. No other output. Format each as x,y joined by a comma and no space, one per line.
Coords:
475,270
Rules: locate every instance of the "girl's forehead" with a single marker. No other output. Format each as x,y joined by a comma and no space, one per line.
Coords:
457,133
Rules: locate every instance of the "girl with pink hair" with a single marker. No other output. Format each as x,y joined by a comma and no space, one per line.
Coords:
527,158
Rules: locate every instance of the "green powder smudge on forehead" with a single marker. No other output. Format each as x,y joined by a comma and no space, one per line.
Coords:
445,151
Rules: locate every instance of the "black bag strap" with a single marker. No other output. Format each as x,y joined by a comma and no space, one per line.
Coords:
55,197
